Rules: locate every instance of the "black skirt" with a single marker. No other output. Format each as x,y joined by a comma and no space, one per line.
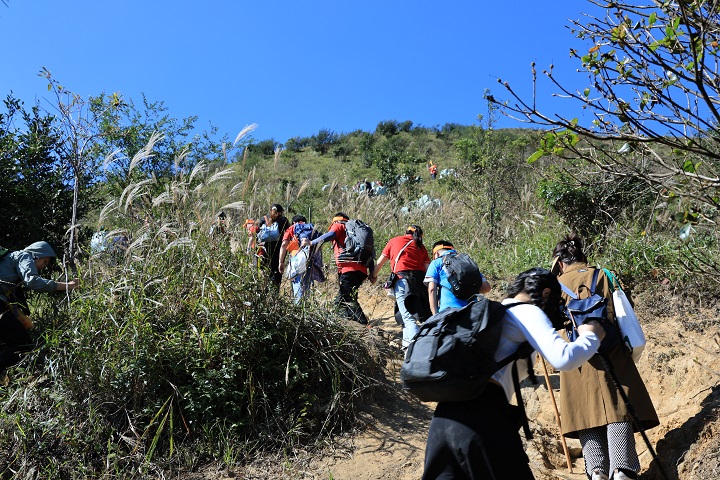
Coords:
477,439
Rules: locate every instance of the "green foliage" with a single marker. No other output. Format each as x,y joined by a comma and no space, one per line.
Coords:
387,128
35,193
590,203
323,140
264,147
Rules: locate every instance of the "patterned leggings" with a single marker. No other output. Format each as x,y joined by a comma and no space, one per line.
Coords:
608,448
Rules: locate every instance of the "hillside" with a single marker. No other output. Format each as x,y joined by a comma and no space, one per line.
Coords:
175,358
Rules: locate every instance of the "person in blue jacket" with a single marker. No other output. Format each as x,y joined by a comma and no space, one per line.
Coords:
19,270
439,289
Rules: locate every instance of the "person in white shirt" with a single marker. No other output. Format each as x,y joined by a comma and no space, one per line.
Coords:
479,438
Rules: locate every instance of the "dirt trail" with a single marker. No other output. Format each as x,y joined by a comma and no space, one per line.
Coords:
679,367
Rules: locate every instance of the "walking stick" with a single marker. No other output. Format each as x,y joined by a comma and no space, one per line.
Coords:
631,410
557,413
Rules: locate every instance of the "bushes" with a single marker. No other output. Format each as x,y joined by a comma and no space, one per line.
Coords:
173,353
158,356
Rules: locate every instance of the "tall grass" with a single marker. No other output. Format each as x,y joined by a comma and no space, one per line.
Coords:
176,351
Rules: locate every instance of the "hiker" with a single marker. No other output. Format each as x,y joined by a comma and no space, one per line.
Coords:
19,271
313,270
439,289
432,168
219,226
270,229
250,227
351,274
590,405
409,260
479,438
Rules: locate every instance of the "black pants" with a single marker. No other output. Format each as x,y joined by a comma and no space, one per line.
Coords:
476,440
346,300
14,338
271,261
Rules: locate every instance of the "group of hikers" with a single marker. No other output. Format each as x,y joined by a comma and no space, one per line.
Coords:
479,438
471,439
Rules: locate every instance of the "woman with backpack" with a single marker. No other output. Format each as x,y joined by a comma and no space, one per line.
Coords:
270,230
479,439
409,260
592,410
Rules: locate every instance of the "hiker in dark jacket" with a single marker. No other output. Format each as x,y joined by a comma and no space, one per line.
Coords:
591,408
409,261
19,271
478,439
271,256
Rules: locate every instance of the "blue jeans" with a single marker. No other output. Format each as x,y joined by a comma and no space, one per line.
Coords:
410,328
300,285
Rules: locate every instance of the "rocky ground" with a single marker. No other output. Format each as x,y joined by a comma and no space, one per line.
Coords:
680,368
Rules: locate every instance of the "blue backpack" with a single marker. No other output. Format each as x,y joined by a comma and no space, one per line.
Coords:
582,310
269,232
302,231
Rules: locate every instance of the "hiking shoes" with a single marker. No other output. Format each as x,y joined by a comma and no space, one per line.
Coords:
599,475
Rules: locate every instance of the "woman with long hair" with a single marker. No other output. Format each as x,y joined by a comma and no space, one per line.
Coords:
479,439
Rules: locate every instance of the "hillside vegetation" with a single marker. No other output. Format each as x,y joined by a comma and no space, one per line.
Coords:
176,353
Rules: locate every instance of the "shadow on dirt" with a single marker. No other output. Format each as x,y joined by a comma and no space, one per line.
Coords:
679,445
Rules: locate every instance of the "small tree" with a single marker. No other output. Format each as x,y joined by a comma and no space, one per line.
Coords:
653,94
323,140
34,193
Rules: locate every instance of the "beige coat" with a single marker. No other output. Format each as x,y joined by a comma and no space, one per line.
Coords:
588,397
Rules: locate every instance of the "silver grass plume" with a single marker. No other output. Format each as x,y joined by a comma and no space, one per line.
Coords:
111,158
245,131
278,151
237,187
222,174
146,151
200,169
180,242
181,156
234,206
109,207
162,198
137,189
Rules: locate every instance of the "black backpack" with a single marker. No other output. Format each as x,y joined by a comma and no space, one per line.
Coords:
359,243
594,307
463,275
452,357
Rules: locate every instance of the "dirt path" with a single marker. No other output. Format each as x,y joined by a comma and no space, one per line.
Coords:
679,366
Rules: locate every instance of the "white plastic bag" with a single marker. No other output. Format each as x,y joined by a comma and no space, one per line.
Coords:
630,329
298,263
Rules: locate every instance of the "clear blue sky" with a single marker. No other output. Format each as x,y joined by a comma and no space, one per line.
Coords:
292,67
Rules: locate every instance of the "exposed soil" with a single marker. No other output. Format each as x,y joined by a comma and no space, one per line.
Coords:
679,365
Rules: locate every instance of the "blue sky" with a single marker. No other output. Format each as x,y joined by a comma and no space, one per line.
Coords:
292,67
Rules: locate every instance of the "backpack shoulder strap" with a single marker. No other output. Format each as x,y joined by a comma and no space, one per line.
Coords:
567,290
593,283
397,257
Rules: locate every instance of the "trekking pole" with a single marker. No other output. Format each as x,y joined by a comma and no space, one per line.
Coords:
557,413
631,410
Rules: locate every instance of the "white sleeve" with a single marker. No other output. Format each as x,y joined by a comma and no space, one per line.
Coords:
542,336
